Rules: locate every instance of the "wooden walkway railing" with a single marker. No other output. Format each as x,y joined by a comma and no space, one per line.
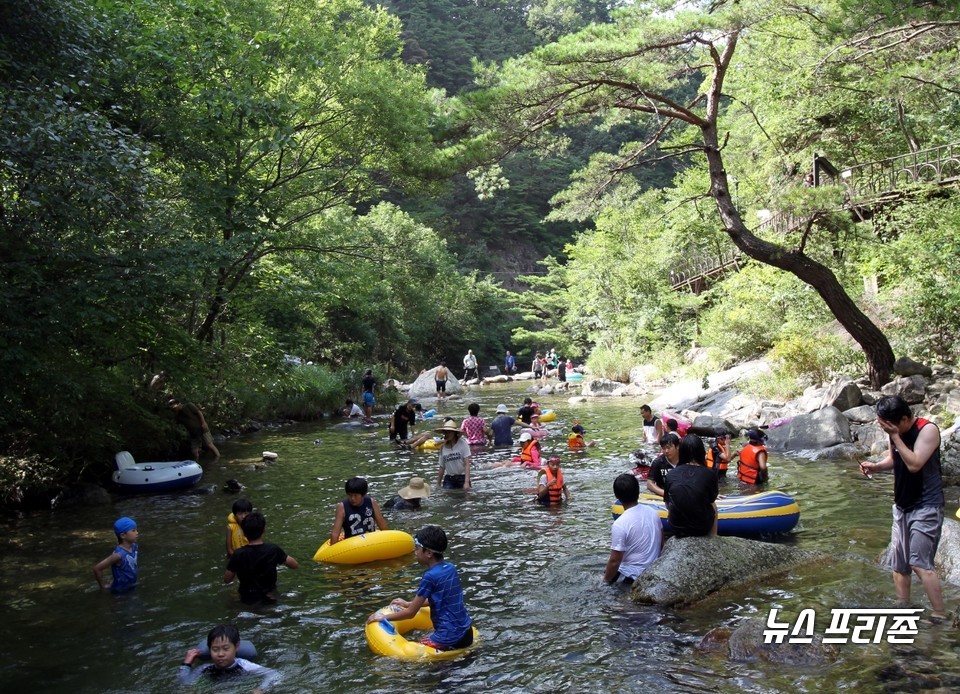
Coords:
866,185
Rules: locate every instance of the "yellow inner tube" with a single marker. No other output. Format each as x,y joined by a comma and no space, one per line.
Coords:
430,445
359,549
548,416
386,638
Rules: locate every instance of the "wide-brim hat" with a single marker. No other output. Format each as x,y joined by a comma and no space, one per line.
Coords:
501,409
449,426
416,489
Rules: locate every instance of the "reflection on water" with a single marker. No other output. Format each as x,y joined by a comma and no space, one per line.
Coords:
531,576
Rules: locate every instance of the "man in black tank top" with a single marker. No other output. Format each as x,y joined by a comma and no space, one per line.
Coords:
914,457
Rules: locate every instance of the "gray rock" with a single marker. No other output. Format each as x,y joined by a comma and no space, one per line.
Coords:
842,451
905,366
870,397
546,390
871,436
600,387
820,429
843,394
501,378
577,399
947,561
861,415
426,385
746,644
705,425
911,388
691,568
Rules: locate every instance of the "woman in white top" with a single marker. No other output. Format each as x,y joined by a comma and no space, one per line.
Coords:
455,458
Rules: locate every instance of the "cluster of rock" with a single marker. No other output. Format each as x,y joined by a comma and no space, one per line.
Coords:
831,420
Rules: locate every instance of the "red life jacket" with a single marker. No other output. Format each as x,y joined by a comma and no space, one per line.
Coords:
554,493
749,469
722,468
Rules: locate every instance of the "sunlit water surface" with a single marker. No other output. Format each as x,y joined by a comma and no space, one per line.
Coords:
532,576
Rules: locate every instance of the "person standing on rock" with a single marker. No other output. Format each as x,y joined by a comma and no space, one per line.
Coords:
440,377
469,366
914,457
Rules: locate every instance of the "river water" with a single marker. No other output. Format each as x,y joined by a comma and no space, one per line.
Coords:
532,577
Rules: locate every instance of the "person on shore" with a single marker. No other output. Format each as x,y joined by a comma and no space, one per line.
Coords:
690,492
368,384
561,369
441,589
636,536
351,409
509,364
914,457
469,366
256,563
222,643
408,498
652,426
403,421
440,377
668,459
123,560
551,487
475,427
455,458
191,417
537,367
357,514
752,469
502,427
235,537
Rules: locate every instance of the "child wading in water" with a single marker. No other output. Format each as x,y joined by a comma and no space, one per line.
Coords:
222,642
441,589
123,561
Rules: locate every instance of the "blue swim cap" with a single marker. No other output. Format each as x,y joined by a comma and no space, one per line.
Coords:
124,525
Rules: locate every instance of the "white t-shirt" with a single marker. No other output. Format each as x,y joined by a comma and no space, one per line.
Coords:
452,457
355,411
638,534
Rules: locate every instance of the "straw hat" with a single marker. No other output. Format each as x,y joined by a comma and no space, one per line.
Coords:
449,426
416,489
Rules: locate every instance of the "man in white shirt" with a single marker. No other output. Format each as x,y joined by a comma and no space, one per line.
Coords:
636,536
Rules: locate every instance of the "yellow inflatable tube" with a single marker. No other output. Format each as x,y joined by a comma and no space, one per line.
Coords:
430,445
548,416
386,638
359,549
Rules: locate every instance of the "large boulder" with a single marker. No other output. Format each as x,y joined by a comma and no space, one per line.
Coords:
911,388
820,429
905,366
843,394
691,568
746,643
600,387
947,561
861,415
426,384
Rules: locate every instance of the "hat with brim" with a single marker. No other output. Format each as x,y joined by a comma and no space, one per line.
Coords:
448,428
416,489
501,409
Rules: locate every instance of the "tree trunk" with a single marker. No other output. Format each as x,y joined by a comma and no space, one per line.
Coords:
871,339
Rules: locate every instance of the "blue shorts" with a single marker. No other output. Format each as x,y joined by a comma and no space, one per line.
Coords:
368,398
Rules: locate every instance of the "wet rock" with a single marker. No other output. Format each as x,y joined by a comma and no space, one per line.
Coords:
911,388
706,425
577,399
601,387
203,489
905,366
746,644
716,641
816,430
546,390
691,568
842,451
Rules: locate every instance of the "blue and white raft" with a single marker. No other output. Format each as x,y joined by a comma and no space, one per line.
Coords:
139,478
766,513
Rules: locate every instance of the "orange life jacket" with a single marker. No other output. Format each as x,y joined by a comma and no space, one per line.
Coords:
576,441
554,493
722,467
527,455
749,469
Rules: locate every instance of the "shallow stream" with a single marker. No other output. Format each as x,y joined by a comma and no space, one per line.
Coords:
532,577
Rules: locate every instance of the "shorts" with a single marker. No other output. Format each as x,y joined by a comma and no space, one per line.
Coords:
454,481
915,537
464,641
368,398
442,386
538,374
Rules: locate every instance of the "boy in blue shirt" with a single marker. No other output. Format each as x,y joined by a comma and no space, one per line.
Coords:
123,561
441,589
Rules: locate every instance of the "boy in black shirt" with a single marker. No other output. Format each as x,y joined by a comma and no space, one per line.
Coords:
256,563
